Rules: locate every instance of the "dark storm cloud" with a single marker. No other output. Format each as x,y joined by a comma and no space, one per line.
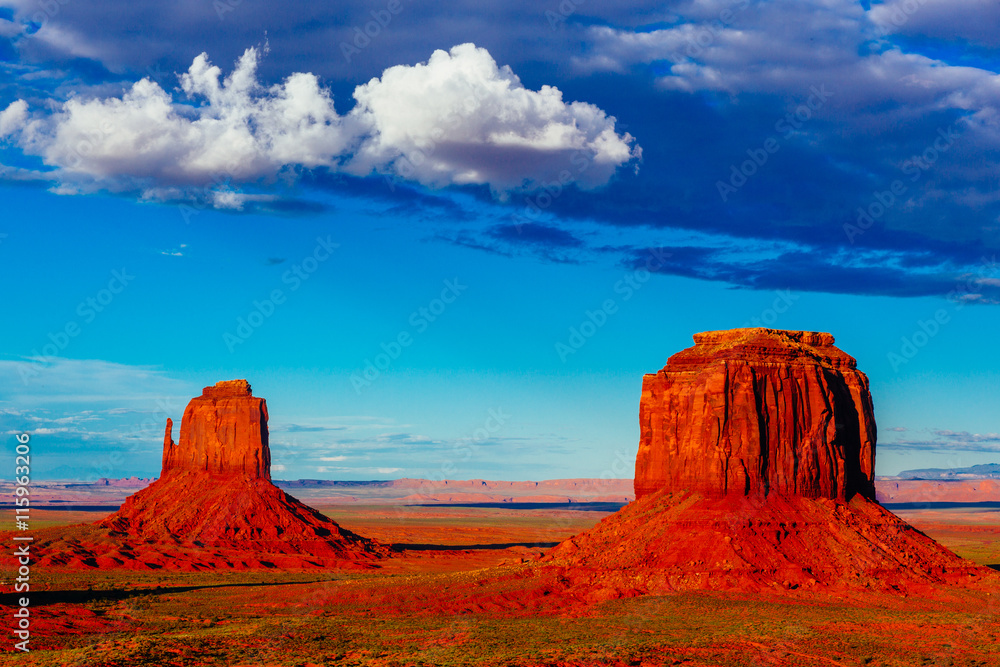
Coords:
306,36
532,234
807,271
853,99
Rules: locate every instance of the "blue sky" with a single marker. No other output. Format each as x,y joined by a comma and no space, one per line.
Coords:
395,235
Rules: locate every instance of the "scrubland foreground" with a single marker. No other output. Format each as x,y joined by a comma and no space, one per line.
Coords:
437,603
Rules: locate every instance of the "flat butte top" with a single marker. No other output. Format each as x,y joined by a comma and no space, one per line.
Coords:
763,346
227,389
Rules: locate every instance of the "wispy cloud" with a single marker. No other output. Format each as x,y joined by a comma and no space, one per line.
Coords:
945,440
326,470
305,428
33,381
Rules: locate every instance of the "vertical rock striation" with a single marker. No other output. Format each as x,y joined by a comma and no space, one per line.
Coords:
223,432
758,412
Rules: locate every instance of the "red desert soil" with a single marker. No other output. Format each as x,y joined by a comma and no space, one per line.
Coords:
667,542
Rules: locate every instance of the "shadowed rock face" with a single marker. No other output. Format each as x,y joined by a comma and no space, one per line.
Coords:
223,432
758,412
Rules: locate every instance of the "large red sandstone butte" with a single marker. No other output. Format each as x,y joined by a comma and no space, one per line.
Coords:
758,411
755,471
214,504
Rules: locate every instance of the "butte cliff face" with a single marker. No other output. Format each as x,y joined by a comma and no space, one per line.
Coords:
758,411
223,432
214,505
755,471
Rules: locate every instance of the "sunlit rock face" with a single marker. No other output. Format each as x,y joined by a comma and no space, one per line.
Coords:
223,432
758,412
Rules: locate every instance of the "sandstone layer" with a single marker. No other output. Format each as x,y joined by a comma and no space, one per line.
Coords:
757,411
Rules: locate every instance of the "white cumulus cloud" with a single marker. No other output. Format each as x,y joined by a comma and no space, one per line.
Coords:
13,117
234,128
460,118
457,119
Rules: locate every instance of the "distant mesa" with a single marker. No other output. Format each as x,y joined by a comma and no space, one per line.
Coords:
755,471
125,481
981,471
214,504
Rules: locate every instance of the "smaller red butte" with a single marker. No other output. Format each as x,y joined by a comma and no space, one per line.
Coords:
214,504
223,432
758,412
